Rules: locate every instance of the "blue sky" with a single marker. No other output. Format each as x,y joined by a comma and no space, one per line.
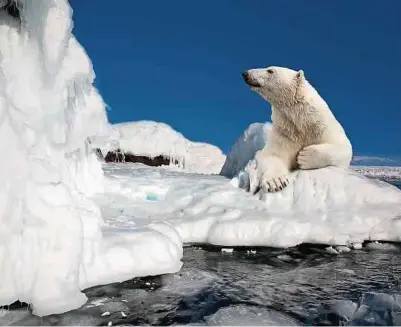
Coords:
180,62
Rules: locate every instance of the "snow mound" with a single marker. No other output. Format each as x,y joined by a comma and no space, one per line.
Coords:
152,139
327,206
204,158
251,141
51,238
148,138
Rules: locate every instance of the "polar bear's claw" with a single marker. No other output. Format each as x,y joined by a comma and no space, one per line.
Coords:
276,184
257,189
284,181
271,186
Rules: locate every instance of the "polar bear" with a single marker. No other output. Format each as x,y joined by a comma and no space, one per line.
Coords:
305,134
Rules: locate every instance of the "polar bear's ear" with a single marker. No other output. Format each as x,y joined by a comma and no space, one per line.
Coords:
300,79
300,75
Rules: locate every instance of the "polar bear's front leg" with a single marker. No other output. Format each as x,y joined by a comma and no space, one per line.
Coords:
275,175
268,173
323,155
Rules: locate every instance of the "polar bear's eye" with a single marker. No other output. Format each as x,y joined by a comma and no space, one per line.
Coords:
270,71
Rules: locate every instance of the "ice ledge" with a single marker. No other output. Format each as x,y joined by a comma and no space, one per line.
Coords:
326,189
327,206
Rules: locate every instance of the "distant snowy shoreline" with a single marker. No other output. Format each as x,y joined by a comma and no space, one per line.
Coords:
381,172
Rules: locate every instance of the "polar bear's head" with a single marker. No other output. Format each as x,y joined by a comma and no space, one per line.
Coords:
278,85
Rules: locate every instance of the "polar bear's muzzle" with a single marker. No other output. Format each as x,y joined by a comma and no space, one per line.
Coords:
249,80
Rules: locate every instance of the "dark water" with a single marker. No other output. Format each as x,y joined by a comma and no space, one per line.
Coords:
397,183
304,286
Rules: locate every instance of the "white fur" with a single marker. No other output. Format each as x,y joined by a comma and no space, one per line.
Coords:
305,133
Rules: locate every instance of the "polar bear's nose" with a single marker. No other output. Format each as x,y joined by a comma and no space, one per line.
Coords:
250,80
247,77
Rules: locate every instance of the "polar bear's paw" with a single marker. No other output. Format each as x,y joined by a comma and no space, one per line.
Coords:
267,175
315,156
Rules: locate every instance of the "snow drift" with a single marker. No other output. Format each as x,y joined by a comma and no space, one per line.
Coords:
152,139
51,239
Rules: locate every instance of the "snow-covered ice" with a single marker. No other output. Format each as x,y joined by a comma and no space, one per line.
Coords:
152,139
45,214
51,245
327,206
